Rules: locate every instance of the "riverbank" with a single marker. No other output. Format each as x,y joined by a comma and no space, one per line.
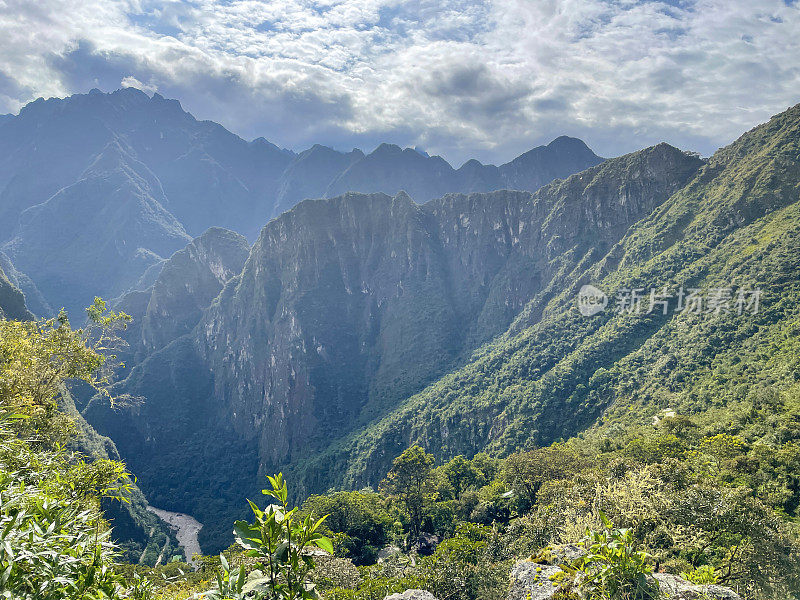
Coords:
186,529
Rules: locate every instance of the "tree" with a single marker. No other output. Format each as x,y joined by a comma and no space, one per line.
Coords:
39,358
360,519
410,481
526,472
461,474
54,542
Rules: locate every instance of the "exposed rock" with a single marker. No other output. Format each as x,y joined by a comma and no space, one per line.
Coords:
426,543
188,282
531,581
387,552
183,288
534,581
677,588
412,595
558,554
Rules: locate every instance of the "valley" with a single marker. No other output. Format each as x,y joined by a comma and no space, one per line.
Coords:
370,327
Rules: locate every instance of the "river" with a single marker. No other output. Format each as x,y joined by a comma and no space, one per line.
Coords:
186,529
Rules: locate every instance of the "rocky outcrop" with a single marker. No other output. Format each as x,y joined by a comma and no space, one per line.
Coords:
348,305
12,302
534,581
531,581
411,595
677,588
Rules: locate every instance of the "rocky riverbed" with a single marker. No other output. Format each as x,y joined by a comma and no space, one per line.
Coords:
186,529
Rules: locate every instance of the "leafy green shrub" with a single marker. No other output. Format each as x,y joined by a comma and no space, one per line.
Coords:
52,549
230,584
612,567
703,575
281,539
360,521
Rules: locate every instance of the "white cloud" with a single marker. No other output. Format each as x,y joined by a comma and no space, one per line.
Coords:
458,77
131,81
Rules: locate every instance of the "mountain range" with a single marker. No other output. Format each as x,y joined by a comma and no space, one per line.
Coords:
97,190
362,321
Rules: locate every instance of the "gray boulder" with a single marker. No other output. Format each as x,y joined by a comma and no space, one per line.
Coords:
535,581
677,588
412,595
387,552
531,581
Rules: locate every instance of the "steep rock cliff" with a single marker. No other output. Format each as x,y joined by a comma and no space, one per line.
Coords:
345,307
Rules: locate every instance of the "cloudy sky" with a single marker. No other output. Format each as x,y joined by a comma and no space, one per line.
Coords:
459,78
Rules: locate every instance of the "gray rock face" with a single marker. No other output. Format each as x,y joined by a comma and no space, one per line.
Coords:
183,289
677,588
412,595
348,305
532,581
188,282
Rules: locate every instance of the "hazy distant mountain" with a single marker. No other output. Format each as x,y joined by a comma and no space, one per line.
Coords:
310,174
173,177
390,169
98,235
34,300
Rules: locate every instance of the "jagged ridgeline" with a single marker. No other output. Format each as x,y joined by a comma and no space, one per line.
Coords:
98,190
361,324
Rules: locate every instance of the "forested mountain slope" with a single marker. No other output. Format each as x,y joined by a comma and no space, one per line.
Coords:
345,307
735,226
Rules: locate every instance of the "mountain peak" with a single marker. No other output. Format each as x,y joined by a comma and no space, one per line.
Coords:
386,149
563,142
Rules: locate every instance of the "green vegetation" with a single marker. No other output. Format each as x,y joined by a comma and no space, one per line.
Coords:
715,496
280,538
555,374
55,542
359,523
612,567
